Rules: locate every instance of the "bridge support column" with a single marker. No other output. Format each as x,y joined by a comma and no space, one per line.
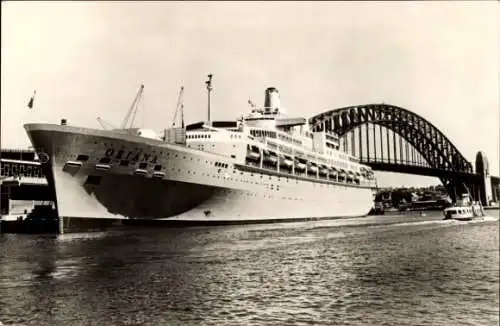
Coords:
495,191
485,189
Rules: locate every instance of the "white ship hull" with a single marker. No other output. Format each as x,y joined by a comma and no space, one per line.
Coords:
192,186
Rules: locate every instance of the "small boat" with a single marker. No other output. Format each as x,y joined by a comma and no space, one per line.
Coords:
253,156
312,168
463,210
270,157
299,166
253,153
285,161
460,213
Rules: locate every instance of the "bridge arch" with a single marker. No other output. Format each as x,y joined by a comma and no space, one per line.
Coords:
429,141
435,148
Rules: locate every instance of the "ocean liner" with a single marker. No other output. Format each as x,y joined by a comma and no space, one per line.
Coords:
262,167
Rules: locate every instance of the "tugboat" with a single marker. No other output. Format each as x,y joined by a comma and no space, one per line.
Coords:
463,210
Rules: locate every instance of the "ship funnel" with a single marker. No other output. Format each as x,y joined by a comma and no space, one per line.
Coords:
272,100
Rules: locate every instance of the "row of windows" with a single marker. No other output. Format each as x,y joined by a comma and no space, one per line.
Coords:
21,155
273,134
20,169
263,133
290,139
331,137
221,165
199,136
332,146
142,165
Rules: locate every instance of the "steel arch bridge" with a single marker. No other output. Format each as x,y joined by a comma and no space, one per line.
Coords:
416,146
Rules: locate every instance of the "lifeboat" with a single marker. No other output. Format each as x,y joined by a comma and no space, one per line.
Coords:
312,168
342,175
270,157
323,170
299,166
357,177
285,161
333,172
253,156
253,153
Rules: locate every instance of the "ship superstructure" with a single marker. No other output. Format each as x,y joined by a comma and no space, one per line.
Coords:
265,166
268,140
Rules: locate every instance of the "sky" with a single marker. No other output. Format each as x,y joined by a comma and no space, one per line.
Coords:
87,60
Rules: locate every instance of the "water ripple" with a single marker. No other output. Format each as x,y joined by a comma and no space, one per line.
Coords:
393,270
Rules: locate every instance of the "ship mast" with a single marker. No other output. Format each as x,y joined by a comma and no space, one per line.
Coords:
209,89
180,106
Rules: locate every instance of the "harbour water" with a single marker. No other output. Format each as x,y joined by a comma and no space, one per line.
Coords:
385,270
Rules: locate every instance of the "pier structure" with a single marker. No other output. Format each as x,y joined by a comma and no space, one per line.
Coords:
22,183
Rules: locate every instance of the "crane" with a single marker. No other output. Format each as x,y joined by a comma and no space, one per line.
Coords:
133,109
103,123
180,106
